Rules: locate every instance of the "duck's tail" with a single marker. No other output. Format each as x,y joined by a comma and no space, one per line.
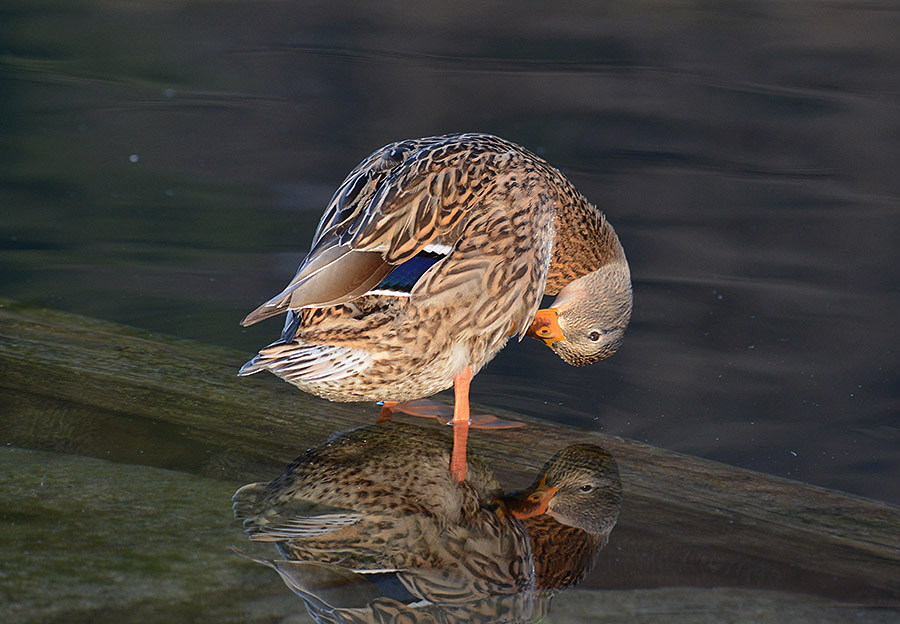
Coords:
299,362
246,499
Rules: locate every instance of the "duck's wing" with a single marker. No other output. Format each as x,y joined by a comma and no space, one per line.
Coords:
408,199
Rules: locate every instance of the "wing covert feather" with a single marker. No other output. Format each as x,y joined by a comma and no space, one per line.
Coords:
396,202
413,193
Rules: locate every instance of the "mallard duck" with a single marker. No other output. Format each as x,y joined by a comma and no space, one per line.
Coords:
429,256
376,506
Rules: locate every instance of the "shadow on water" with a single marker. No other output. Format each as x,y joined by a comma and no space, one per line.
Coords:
372,527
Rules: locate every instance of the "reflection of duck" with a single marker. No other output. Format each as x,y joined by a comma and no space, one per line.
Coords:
430,255
380,497
569,512
375,513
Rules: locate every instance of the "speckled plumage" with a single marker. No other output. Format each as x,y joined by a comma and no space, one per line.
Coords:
509,228
378,500
381,498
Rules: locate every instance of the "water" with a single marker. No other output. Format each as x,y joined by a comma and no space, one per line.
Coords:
164,166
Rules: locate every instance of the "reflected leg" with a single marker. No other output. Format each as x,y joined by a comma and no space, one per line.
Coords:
460,423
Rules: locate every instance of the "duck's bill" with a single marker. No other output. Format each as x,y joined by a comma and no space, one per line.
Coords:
545,326
531,502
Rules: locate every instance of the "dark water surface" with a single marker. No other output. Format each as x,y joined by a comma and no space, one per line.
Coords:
163,164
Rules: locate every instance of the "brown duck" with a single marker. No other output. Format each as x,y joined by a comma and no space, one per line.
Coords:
430,255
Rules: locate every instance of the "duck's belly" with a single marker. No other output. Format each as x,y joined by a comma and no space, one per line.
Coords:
405,375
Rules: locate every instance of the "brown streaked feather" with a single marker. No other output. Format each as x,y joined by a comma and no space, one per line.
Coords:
588,244
356,191
419,199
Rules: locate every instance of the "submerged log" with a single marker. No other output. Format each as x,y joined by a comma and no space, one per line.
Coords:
68,383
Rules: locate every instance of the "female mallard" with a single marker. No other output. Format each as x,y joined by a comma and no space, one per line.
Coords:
376,505
430,255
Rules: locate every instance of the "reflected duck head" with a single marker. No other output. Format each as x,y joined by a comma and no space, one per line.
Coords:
579,487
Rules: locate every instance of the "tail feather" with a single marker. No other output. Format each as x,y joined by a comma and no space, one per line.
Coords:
296,361
246,499
253,366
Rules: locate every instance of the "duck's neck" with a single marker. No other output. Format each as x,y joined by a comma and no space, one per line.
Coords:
563,555
584,241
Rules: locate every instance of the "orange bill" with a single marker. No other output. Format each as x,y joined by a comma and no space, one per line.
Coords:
531,502
545,326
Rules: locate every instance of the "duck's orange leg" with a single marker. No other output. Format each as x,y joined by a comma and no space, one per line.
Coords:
387,408
460,423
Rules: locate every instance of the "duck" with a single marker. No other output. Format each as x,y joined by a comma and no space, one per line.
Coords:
371,521
429,257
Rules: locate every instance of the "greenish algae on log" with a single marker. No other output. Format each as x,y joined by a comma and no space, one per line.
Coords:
87,540
685,521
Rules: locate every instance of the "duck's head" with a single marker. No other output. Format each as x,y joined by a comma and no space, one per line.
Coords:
587,320
578,487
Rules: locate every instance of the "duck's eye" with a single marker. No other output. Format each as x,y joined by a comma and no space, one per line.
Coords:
594,335
587,487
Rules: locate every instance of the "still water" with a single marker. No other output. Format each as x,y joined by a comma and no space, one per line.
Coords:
164,165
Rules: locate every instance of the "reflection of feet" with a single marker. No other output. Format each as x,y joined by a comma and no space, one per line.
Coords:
458,416
444,414
425,408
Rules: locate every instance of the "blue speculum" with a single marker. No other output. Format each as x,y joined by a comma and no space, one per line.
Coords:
405,276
